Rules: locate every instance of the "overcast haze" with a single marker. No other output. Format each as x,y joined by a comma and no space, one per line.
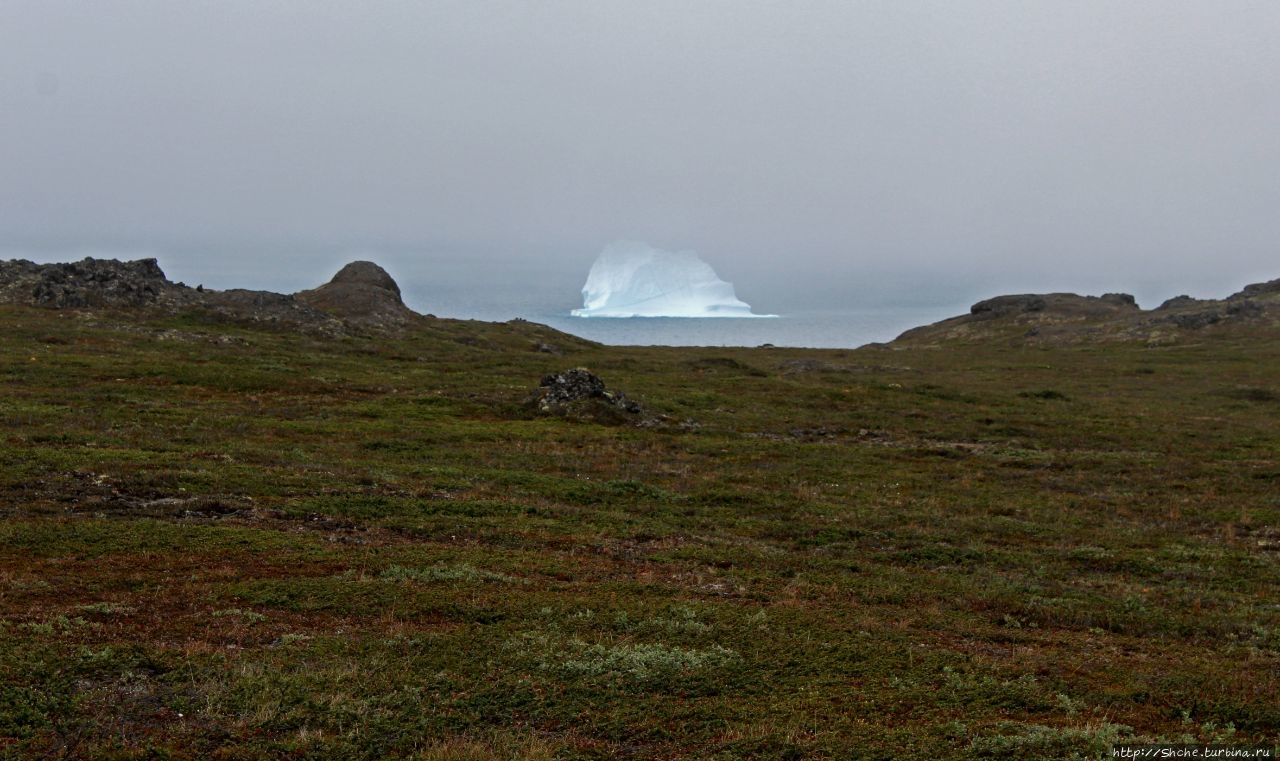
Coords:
800,146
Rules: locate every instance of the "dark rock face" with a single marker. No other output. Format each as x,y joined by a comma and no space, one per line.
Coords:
366,273
581,393
1070,318
1002,305
361,293
1256,290
1120,300
1179,302
1057,303
88,283
1252,304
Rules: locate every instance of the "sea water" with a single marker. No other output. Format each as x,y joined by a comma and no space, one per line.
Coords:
500,290
816,329
833,327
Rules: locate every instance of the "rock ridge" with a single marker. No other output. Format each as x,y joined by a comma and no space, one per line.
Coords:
1069,317
362,295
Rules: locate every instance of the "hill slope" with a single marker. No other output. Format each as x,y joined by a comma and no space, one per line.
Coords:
234,539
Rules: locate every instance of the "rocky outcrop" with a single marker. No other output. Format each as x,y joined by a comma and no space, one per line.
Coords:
91,283
1067,317
1003,305
1058,303
1258,290
1180,302
361,293
581,393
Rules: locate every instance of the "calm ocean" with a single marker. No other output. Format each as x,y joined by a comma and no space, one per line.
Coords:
815,328
835,330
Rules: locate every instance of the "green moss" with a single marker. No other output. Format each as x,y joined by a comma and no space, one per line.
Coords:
370,549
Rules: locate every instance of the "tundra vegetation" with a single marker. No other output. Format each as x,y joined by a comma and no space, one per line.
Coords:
221,541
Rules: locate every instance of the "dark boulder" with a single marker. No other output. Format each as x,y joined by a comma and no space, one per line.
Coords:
571,385
1002,305
1120,300
581,393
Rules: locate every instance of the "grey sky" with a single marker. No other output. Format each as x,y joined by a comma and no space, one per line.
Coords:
1069,145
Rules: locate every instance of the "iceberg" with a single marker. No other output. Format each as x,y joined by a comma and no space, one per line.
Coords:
632,279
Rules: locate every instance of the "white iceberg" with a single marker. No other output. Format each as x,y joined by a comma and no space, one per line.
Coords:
636,280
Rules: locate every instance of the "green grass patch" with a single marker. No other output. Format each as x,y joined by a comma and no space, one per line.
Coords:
220,541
